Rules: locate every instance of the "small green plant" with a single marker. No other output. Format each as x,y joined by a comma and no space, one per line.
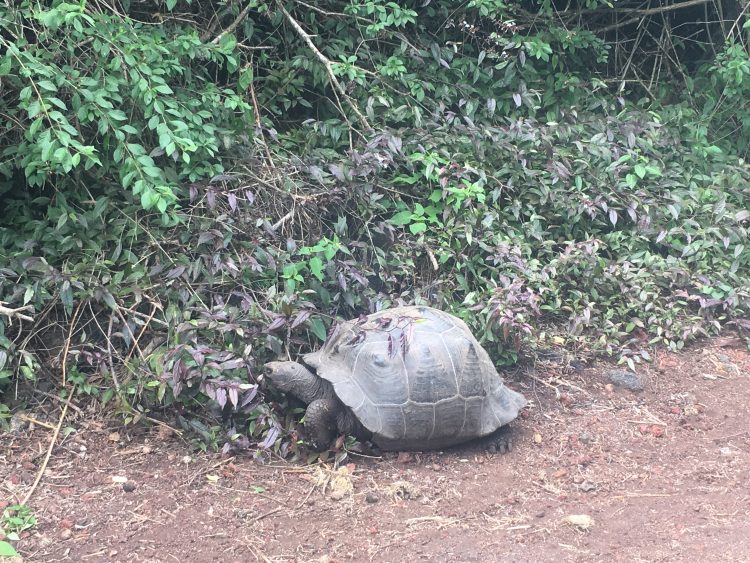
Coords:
17,519
7,550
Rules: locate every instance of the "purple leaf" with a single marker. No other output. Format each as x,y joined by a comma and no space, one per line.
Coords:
232,201
277,323
232,364
175,272
301,318
392,349
221,397
273,433
613,216
198,357
234,396
206,236
249,395
211,198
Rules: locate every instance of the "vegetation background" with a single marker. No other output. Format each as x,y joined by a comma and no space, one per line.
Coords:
189,188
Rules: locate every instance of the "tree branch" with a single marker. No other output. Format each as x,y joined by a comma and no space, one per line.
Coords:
238,20
16,313
326,63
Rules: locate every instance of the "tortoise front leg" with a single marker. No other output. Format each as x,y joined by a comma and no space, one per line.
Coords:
320,422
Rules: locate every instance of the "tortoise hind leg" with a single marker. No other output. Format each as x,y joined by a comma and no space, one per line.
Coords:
500,441
320,422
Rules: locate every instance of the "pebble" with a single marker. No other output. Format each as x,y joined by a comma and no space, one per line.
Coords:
128,486
625,379
585,437
372,498
66,534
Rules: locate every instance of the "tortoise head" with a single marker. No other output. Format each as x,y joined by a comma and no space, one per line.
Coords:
294,378
282,374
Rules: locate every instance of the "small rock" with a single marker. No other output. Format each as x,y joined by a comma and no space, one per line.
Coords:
540,514
404,457
560,473
128,487
580,521
583,460
371,498
338,494
626,380
66,534
657,431
587,486
585,437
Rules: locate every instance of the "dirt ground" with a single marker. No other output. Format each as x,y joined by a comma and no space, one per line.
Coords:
596,474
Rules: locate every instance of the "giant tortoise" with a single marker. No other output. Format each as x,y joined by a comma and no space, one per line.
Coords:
406,378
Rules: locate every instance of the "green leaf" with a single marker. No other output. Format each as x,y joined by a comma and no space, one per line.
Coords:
163,89
6,550
640,170
47,85
5,66
317,327
246,78
401,218
316,267
417,228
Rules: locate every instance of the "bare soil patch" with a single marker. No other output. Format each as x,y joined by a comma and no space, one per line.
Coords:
657,475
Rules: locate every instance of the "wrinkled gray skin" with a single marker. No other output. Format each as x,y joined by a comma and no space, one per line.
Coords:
327,417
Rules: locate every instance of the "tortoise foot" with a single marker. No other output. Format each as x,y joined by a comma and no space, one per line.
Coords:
500,441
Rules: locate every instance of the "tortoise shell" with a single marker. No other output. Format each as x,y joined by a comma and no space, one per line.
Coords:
416,378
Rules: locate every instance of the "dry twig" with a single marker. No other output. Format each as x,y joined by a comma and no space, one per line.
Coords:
16,313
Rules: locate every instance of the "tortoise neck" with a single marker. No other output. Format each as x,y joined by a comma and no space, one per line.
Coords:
310,387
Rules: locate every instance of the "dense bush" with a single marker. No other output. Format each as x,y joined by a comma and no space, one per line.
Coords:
183,201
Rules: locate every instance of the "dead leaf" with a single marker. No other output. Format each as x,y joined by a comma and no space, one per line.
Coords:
403,490
582,522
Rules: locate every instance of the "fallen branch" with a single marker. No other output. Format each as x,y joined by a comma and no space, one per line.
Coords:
64,412
338,88
16,313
